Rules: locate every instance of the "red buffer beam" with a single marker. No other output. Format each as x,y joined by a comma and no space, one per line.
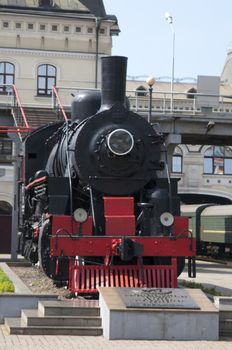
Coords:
106,246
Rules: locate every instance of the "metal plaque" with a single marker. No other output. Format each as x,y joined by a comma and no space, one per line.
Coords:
161,298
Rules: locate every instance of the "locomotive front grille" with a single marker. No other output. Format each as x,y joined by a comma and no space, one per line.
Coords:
87,279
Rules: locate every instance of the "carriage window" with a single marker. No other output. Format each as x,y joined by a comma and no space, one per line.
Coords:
218,160
46,79
7,72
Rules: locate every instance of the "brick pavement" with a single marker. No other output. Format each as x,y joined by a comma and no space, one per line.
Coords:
25,342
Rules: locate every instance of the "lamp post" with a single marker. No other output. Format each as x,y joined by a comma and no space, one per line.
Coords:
150,82
169,19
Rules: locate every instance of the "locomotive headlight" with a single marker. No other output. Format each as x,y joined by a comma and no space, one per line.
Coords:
80,215
166,219
120,142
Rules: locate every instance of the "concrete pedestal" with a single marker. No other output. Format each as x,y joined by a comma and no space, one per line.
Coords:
120,322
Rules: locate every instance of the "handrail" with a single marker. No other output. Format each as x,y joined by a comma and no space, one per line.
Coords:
20,105
183,102
14,129
59,102
181,99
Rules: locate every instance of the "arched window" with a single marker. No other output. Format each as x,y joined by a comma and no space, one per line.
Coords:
46,78
7,76
177,161
191,92
141,91
5,208
218,160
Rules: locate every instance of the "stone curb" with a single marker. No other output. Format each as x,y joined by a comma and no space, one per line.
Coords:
20,287
11,304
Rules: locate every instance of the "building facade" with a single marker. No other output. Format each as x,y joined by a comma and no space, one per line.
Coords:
45,43
204,171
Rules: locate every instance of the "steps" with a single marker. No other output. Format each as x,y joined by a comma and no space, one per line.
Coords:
224,305
37,117
79,317
225,323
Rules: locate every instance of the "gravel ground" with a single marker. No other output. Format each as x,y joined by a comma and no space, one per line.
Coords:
37,281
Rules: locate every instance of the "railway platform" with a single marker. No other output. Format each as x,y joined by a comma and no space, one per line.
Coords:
212,275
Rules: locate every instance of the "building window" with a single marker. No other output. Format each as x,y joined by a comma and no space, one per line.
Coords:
5,208
102,31
5,24
42,27
191,93
5,146
218,160
78,29
18,25
177,161
7,73
90,30
141,91
45,3
46,79
66,29
30,26
54,28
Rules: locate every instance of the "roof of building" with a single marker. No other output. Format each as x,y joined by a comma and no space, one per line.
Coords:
180,89
95,7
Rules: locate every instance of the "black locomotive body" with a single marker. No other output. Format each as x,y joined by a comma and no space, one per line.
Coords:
95,205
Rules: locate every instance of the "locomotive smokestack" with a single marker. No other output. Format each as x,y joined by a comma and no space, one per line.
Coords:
113,89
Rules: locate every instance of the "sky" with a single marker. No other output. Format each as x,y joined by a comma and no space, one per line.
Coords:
203,36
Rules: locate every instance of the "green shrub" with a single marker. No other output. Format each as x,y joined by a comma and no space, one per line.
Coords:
6,286
190,284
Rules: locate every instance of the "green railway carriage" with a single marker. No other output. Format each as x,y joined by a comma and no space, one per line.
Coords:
193,211
216,225
212,226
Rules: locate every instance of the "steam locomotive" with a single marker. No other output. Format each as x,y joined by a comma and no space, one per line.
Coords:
97,211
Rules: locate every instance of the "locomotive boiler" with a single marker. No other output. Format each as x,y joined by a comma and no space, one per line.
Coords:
97,211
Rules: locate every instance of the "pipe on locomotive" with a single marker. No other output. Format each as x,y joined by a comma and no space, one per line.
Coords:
113,91
113,88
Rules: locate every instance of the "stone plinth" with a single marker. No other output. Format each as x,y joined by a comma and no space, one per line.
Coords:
122,322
